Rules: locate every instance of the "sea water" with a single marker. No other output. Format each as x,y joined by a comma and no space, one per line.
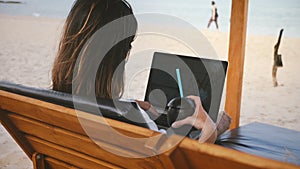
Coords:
265,17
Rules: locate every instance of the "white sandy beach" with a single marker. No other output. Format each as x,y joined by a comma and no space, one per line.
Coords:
28,46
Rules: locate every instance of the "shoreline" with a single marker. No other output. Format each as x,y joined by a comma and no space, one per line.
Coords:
28,45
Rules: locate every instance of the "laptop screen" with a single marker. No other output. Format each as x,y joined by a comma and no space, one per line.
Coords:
199,76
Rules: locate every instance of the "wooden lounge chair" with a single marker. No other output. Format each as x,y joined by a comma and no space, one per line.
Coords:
54,136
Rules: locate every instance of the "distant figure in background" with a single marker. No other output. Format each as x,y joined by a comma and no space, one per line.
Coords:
214,16
277,60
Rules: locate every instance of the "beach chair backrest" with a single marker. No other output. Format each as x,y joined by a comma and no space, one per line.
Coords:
52,131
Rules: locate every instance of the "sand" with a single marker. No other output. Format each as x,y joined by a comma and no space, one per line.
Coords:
28,46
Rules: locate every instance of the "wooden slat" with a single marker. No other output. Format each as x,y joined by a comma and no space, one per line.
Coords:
15,133
56,164
208,156
169,164
69,156
238,28
83,144
179,160
37,109
67,119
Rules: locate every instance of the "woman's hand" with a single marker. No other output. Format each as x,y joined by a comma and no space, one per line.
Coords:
197,119
201,121
147,107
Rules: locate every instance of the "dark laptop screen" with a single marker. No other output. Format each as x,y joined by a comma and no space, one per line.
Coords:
199,76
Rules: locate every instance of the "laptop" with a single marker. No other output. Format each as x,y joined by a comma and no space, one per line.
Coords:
199,76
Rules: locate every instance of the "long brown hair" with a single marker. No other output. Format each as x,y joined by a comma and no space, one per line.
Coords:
84,19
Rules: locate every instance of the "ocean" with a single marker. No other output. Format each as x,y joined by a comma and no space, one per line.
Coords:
265,17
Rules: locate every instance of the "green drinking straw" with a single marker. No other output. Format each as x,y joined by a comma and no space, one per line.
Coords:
179,82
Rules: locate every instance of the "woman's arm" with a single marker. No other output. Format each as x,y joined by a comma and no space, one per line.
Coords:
199,120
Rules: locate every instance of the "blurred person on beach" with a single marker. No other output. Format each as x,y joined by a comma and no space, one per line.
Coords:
84,19
214,16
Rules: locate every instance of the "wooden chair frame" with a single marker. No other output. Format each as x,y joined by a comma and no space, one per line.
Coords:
236,55
53,137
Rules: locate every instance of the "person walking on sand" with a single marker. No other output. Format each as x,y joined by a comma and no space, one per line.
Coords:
214,16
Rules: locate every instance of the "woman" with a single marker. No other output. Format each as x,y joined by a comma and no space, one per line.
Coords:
214,16
84,19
